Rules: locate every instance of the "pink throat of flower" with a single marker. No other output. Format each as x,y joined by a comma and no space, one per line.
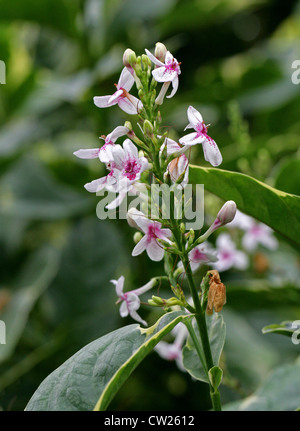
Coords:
199,256
201,129
152,232
172,66
131,169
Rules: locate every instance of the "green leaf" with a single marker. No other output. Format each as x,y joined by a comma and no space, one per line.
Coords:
216,333
275,208
101,367
279,392
39,272
215,375
288,328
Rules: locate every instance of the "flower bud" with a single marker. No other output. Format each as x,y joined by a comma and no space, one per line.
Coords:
227,212
160,51
137,237
148,128
132,215
129,58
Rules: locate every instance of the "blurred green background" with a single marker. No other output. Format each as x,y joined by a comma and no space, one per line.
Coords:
57,257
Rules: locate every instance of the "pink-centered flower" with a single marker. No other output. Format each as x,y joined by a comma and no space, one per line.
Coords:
125,168
104,152
128,103
166,72
130,301
202,254
153,231
210,149
228,255
255,232
173,351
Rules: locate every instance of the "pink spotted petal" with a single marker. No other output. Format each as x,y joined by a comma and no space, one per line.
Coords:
194,116
161,74
211,152
175,82
192,139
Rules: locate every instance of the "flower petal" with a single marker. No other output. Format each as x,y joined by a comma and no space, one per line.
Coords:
162,74
115,97
117,133
102,101
175,82
136,317
119,285
194,116
130,149
123,310
155,251
126,80
211,152
153,58
96,185
92,153
127,106
192,139
140,247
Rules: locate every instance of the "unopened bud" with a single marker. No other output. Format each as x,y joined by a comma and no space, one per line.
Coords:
137,237
227,212
132,215
128,125
182,227
160,51
129,58
148,128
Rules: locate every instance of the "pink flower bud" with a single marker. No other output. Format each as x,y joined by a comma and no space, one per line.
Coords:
227,212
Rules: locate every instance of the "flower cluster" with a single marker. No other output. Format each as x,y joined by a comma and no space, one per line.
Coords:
146,155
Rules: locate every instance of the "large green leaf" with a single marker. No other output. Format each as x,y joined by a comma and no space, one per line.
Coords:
100,368
277,209
279,392
216,333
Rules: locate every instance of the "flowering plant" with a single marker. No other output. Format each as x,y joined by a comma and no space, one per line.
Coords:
155,169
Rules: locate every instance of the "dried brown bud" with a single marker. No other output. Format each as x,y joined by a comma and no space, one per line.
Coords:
216,294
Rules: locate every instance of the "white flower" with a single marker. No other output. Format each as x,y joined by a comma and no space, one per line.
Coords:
228,255
104,153
127,102
210,149
255,233
173,351
130,300
153,231
166,72
202,254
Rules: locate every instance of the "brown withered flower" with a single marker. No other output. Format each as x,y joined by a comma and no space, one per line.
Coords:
216,294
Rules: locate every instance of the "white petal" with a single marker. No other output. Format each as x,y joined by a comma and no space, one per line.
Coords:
175,82
123,309
92,153
105,153
194,116
136,317
133,301
140,247
130,149
116,202
115,97
169,57
96,185
117,133
126,80
102,101
191,139
143,223
119,285
161,74
211,152
127,106
118,156
155,251
153,58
